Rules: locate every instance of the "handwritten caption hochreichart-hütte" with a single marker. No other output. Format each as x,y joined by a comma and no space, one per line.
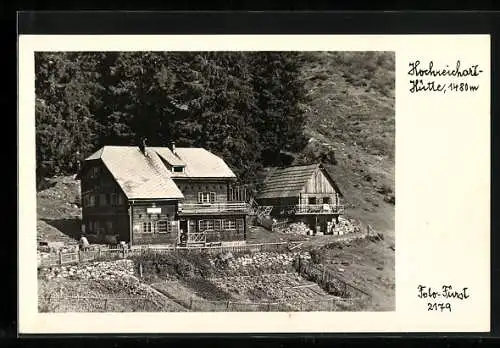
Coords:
430,78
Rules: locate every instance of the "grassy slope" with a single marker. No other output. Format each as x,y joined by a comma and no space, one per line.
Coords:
351,110
58,212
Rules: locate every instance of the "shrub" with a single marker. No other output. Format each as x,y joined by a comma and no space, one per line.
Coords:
316,152
384,189
318,256
174,264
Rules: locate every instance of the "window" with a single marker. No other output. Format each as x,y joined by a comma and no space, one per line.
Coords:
163,226
218,225
240,225
86,201
206,225
146,227
326,200
96,227
178,169
121,199
206,197
94,172
107,199
229,224
311,200
90,227
97,200
91,201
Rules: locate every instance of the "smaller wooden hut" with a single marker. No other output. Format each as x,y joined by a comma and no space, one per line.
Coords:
303,193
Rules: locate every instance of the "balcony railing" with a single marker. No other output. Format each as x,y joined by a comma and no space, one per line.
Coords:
318,209
203,208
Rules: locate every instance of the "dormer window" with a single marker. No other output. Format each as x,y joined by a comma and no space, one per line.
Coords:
178,169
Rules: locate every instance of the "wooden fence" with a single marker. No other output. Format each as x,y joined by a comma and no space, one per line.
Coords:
68,258
59,303
323,305
146,304
328,280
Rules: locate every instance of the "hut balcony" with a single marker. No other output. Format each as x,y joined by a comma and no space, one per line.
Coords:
213,208
304,209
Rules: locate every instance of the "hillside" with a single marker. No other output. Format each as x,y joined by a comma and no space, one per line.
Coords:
349,113
351,117
349,126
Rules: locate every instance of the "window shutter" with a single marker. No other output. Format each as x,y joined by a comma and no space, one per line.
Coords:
200,197
212,197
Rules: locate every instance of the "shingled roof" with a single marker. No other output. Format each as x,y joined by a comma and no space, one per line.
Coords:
139,176
145,176
201,163
289,181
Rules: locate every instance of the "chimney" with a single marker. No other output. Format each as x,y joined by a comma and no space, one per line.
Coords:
173,148
142,145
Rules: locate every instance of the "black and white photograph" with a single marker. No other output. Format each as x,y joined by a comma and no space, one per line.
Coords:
215,181
186,184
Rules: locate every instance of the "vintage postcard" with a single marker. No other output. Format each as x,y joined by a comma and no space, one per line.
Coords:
254,184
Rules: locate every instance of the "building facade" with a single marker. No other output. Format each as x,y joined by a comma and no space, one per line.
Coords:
303,193
160,195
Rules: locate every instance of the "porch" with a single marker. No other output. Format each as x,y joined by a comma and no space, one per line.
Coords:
304,209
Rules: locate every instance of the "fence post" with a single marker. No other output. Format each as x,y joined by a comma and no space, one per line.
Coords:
99,253
140,269
123,252
227,305
79,256
60,258
191,303
105,304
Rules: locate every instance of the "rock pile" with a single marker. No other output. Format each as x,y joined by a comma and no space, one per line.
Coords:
257,263
271,288
113,270
64,188
298,228
346,226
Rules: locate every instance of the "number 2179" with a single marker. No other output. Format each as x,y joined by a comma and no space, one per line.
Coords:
439,307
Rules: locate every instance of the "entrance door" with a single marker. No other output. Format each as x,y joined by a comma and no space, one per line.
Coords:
183,232
183,226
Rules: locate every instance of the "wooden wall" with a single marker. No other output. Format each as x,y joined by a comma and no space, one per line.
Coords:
318,183
320,188
108,216
191,188
141,216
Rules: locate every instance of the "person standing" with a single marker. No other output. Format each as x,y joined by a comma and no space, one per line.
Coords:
84,243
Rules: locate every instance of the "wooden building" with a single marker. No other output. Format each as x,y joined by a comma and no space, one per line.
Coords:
302,193
160,195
